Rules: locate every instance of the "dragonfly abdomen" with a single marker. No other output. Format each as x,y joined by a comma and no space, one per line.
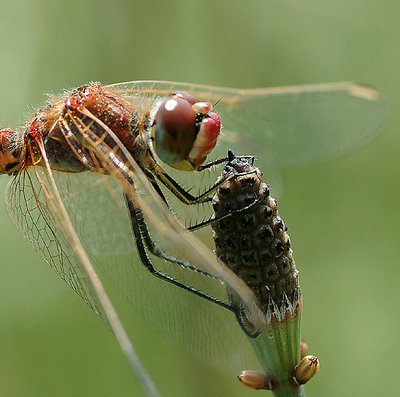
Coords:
11,151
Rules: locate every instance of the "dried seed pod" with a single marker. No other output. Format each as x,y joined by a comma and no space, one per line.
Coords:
255,380
252,239
307,368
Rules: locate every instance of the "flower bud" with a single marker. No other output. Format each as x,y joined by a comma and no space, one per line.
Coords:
306,369
255,380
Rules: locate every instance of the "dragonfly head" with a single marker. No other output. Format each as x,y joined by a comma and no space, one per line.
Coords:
185,131
10,151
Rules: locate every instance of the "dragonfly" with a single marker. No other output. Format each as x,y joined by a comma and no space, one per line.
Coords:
108,182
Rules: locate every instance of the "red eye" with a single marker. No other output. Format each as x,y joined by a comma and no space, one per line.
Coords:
175,130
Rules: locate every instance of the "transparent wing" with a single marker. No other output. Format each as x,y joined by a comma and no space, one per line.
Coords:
288,125
95,205
27,207
172,306
102,223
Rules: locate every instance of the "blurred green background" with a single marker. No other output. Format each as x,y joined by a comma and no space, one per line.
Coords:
343,214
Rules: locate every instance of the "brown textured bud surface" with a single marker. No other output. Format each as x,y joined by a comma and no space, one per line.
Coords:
251,238
307,368
255,380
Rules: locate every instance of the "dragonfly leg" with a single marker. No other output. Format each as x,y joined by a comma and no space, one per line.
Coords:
144,241
184,195
214,219
225,216
240,317
212,163
181,193
178,191
249,201
228,158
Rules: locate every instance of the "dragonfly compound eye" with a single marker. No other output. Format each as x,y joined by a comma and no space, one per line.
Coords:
174,131
185,131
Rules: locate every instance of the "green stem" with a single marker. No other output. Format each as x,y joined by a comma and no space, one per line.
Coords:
287,390
278,350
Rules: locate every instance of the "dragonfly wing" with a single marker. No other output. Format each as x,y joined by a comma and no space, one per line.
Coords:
100,219
285,125
95,205
28,208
